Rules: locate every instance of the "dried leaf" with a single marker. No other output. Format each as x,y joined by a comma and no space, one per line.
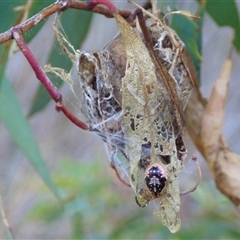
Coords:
129,104
223,163
148,121
212,122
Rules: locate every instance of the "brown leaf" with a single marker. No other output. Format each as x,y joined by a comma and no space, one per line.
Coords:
205,128
144,101
223,163
214,113
134,96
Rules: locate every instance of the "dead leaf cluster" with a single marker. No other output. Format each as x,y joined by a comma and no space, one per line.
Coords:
204,121
135,95
126,96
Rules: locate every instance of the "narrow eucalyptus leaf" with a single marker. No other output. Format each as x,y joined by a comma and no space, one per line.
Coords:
12,117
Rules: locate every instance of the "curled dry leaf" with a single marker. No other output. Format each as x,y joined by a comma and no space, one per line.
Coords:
223,163
129,106
149,122
214,113
205,129
143,101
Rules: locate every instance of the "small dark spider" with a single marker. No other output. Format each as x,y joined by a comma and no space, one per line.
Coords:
155,178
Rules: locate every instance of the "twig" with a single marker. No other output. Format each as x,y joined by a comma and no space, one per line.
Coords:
5,221
60,5
41,76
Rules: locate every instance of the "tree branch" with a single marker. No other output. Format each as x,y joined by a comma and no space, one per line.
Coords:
60,5
41,76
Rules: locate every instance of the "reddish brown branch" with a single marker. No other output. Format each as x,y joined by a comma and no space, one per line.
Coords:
60,5
107,3
41,76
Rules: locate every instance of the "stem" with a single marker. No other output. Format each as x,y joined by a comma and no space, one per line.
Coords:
5,221
167,80
106,3
41,76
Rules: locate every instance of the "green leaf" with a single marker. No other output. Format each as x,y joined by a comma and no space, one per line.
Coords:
9,18
225,13
165,5
190,33
8,15
4,51
7,228
12,117
36,7
76,25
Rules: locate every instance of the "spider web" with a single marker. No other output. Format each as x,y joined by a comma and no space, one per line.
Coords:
134,126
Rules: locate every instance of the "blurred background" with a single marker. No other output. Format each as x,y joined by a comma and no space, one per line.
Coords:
97,204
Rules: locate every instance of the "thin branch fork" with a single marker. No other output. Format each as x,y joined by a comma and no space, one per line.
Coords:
59,6
17,34
41,76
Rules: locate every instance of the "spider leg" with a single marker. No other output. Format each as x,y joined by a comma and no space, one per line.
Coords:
112,152
113,166
194,158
